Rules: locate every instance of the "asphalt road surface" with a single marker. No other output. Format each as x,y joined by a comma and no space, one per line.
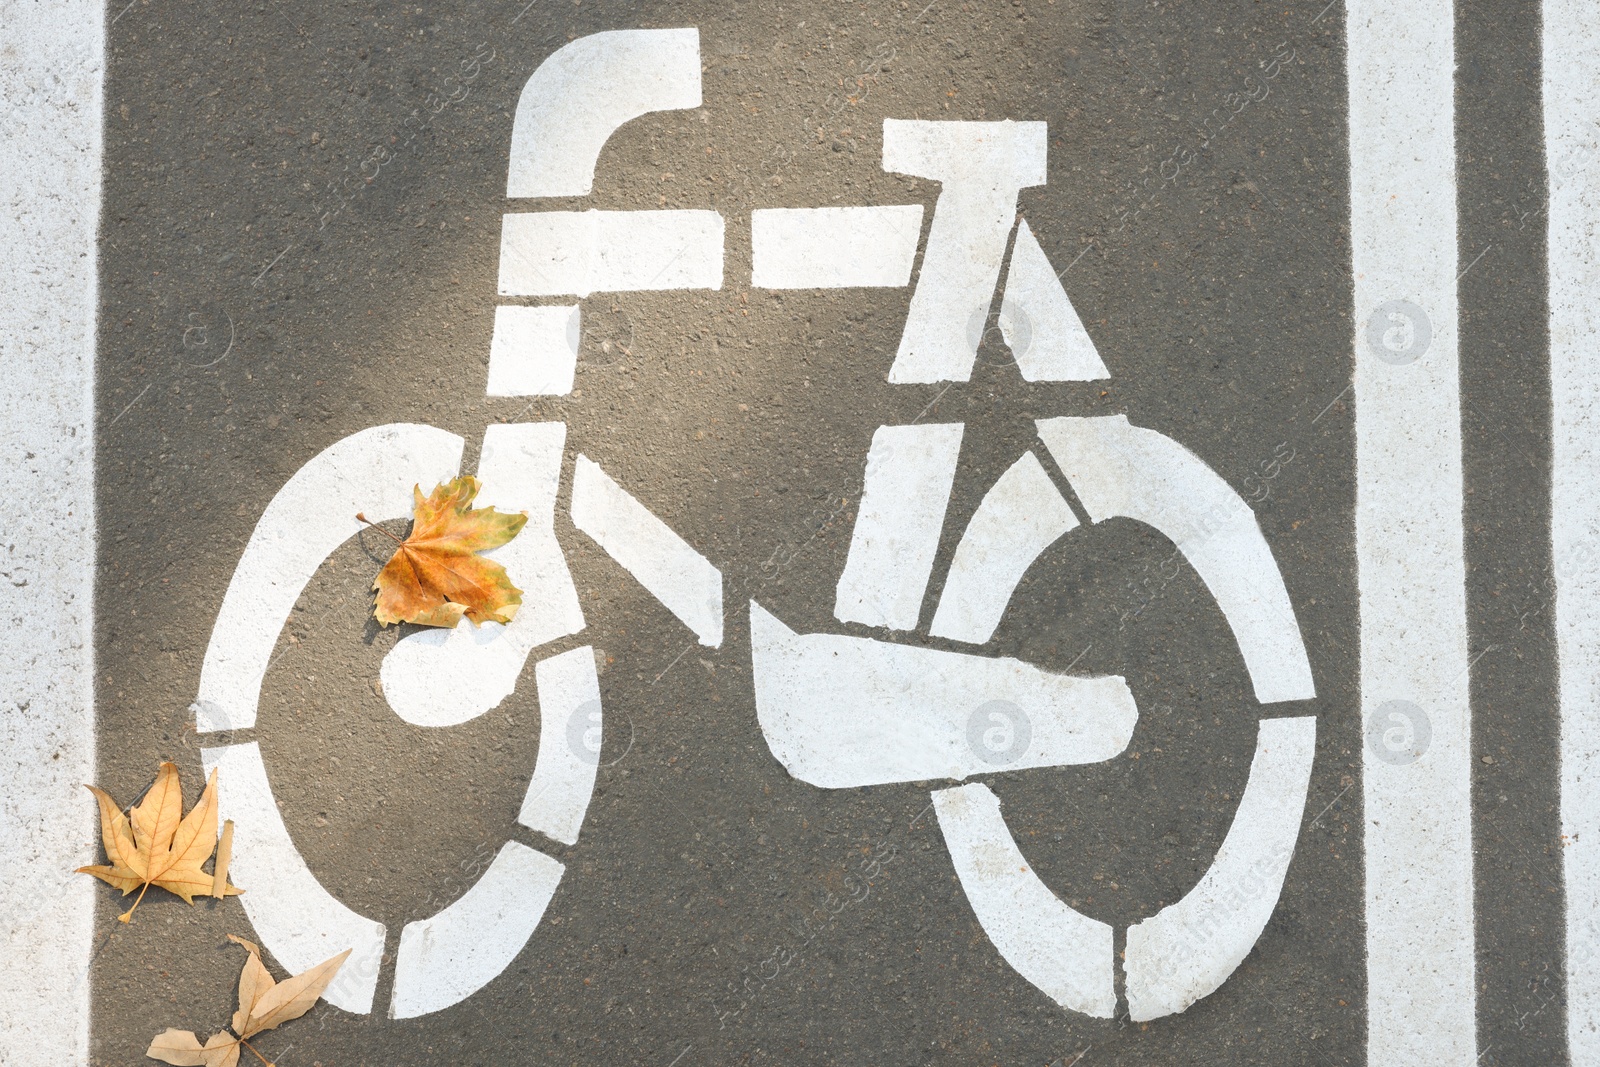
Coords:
1106,578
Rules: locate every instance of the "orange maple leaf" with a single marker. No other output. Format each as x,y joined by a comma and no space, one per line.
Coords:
436,575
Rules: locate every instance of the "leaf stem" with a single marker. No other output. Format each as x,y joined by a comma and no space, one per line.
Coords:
258,1055
380,529
127,916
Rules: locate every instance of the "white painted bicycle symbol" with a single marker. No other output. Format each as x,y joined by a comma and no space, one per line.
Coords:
837,711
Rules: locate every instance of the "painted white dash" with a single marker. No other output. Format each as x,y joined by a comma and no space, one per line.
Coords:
910,471
570,736
580,95
1572,131
534,351
1188,949
1022,515
1420,994
1059,949
834,247
50,157
562,253
298,920
446,958
674,573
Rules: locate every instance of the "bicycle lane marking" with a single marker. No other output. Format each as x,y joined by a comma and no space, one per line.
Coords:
50,182
1409,539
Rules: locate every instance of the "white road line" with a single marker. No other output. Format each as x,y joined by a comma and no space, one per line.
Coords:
50,158
834,247
1188,949
575,253
841,711
1059,949
446,958
1022,515
1571,99
674,573
584,92
1418,835
910,471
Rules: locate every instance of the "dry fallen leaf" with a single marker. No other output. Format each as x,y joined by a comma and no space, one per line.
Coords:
159,845
263,1004
436,575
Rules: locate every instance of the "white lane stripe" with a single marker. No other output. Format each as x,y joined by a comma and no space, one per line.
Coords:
299,921
50,155
910,470
834,247
1022,515
1418,834
1059,949
372,471
1119,469
534,351
448,957
583,92
1188,949
521,470
674,573
842,711
1571,107
570,737
575,253
1039,323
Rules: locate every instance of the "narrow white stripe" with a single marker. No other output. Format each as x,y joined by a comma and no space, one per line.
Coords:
534,351
1572,130
448,957
1022,515
674,573
583,92
1187,950
910,470
373,472
575,253
521,470
50,156
1418,835
834,247
1059,949
570,736
298,920
841,711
